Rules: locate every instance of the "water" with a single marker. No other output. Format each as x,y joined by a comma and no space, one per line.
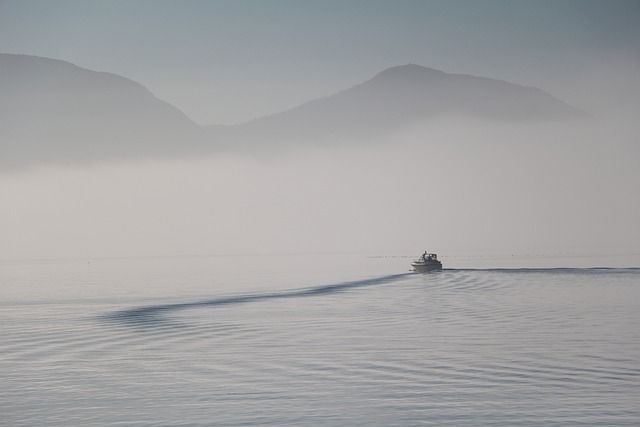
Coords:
315,340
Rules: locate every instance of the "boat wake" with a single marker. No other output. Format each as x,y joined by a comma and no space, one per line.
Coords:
156,314
572,270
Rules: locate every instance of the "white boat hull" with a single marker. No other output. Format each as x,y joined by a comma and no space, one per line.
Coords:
426,266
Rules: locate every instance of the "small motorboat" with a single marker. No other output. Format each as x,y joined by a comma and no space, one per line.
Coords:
427,262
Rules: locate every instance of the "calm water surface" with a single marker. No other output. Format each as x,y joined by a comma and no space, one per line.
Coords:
320,341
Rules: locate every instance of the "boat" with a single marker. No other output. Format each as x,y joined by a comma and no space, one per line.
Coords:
426,262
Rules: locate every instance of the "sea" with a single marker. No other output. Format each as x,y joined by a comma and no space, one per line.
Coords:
317,340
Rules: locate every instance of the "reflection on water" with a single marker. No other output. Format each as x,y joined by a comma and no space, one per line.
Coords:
318,343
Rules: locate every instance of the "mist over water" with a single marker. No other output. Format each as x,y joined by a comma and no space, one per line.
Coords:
462,187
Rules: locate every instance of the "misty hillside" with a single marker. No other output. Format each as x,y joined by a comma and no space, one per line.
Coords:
54,111
399,97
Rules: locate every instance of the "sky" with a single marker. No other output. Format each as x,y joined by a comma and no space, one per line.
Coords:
514,189
227,62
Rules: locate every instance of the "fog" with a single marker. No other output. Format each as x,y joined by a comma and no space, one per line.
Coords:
455,186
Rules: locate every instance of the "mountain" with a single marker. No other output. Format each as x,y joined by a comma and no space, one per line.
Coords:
55,112
52,111
396,98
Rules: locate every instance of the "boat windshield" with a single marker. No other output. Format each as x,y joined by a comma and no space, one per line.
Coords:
428,257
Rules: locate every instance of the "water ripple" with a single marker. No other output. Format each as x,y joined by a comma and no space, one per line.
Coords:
458,347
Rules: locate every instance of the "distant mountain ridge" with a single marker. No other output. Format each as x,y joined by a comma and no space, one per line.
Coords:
54,111
398,97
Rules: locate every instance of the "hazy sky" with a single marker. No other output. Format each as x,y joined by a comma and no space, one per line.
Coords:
458,185
224,62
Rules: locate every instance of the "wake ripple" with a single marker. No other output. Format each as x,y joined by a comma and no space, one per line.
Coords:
571,270
153,315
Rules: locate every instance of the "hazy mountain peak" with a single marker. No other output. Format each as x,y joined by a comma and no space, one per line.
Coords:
408,71
55,111
396,98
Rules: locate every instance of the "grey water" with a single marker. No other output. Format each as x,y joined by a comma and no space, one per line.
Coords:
323,340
